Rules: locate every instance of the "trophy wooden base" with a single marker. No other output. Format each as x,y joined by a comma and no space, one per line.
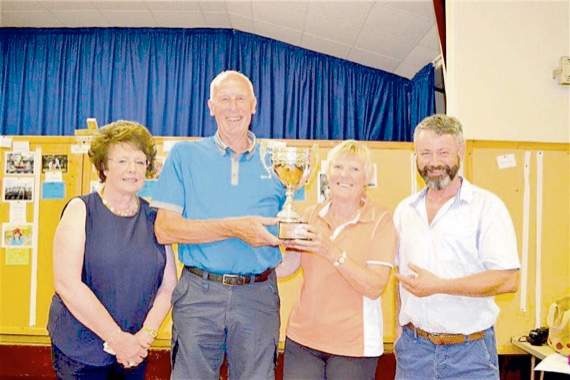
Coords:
293,231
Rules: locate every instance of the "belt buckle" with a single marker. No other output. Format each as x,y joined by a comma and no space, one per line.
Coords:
226,278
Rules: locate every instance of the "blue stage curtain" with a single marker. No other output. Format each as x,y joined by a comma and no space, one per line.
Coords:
422,97
51,80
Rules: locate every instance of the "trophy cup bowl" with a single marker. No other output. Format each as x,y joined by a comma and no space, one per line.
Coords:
292,165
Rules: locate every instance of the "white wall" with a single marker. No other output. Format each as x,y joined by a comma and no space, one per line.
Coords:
499,71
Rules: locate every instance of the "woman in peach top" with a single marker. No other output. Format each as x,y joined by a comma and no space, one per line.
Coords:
335,330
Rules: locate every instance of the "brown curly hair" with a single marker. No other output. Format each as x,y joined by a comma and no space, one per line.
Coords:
121,132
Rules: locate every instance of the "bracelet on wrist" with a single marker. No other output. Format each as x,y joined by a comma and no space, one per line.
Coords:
151,332
340,260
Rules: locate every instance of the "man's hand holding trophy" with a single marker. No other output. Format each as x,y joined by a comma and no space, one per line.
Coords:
293,166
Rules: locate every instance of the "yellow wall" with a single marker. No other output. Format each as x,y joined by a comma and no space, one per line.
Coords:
395,175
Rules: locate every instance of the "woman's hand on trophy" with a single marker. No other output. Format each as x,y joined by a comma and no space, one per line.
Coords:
314,243
253,230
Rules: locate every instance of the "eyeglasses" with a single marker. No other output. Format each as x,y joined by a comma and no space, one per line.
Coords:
124,163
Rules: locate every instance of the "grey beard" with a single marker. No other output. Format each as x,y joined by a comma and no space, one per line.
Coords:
438,183
441,182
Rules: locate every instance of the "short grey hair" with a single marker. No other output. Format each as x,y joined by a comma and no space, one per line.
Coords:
217,81
441,124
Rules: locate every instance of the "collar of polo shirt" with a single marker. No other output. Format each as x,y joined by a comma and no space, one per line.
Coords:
223,147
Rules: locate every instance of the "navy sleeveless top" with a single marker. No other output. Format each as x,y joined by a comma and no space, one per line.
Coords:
123,265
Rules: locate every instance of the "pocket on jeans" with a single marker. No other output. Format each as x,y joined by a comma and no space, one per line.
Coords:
398,345
482,354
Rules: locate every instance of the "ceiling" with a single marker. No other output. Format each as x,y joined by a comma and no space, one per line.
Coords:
395,36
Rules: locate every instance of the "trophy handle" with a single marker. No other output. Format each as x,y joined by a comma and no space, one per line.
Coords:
264,151
312,169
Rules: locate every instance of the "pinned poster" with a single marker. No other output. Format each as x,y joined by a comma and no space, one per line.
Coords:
17,212
17,235
53,190
18,189
54,162
506,161
19,163
53,176
17,256
80,148
20,146
323,188
374,178
5,142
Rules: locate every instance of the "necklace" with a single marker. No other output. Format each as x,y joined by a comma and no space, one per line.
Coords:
128,212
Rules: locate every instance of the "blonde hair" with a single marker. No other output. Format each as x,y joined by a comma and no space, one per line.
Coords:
217,81
121,132
353,148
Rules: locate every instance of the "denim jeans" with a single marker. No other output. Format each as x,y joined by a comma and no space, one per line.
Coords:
304,363
69,369
418,358
211,319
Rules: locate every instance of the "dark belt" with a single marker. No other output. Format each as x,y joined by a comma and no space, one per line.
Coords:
441,339
230,279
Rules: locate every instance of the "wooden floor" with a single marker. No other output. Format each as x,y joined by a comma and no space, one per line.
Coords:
34,362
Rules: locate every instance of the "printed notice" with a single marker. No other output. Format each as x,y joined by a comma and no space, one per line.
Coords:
506,161
17,256
17,212
80,148
53,190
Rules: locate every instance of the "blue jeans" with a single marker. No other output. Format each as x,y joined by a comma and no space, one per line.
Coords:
304,363
418,358
211,319
69,369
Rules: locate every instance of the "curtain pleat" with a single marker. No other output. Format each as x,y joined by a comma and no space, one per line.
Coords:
51,80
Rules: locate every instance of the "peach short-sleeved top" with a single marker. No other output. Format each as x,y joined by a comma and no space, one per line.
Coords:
331,315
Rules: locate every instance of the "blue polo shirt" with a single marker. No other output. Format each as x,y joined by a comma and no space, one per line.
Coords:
206,180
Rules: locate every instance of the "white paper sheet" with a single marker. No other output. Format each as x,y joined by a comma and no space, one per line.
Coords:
80,148
554,363
17,212
53,176
5,142
20,146
506,161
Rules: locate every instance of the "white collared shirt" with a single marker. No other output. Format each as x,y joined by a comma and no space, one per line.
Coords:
471,233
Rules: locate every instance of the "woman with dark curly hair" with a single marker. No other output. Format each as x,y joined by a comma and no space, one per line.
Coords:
113,280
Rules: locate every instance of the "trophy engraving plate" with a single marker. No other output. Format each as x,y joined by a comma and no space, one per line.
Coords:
293,230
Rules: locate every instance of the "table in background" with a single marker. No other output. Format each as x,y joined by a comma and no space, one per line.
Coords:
536,352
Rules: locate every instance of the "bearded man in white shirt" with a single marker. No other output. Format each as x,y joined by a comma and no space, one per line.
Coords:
457,251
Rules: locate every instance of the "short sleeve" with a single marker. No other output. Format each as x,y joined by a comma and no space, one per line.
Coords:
384,240
497,239
169,190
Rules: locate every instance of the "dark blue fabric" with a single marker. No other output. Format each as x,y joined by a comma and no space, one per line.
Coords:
422,102
51,80
123,265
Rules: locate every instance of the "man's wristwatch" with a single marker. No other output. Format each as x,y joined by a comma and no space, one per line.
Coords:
340,260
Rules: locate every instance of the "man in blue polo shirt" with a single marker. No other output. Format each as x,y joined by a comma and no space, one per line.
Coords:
216,200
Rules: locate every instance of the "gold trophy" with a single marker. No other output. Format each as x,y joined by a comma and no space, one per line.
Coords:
292,165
